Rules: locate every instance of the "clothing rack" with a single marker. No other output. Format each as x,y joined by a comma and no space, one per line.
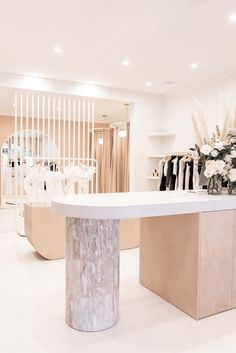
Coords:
180,171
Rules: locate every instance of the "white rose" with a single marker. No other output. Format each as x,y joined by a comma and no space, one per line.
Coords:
233,140
206,149
232,174
232,131
214,153
219,167
219,145
233,153
210,169
228,158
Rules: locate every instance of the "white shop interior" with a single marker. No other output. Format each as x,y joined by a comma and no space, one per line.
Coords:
118,176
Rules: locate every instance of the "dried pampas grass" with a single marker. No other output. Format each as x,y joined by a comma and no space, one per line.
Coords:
197,132
201,121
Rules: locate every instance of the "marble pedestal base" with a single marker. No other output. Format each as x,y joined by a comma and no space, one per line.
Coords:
92,273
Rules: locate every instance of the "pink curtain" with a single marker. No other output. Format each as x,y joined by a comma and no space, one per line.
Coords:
113,161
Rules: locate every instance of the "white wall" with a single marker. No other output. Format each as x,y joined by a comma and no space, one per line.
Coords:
146,118
150,113
178,108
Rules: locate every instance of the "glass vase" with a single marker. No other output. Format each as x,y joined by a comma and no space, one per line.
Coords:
215,185
232,188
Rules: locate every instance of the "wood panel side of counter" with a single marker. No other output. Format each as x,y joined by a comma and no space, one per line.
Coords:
189,260
169,259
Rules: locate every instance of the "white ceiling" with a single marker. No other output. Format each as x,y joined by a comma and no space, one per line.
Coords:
160,38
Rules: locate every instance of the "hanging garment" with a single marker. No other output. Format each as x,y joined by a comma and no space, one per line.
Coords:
186,177
164,173
160,172
173,177
169,173
163,179
177,174
196,176
175,165
181,173
165,167
190,183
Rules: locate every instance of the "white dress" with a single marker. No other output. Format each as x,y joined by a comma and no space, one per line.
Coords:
196,176
181,173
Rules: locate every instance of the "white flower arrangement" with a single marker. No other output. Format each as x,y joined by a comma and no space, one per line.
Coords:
219,157
214,167
206,149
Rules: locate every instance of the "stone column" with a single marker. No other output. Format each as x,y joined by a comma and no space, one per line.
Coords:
92,273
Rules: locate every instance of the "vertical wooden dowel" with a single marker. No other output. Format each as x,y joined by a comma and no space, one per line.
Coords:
88,131
69,129
79,120
32,124
83,130
43,127
49,127
74,120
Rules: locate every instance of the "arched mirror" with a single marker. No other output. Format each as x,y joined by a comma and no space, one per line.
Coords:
19,148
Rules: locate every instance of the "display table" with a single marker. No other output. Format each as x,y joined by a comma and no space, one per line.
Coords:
48,238
193,239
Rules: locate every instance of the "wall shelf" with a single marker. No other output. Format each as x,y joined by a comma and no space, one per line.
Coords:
152,178
160,156
162,134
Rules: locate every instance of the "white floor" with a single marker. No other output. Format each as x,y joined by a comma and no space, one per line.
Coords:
32,310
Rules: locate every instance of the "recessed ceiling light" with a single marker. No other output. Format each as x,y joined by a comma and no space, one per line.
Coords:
58,50
148,84
194,65
232,17
125,62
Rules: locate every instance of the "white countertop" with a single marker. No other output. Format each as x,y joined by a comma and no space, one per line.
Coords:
141,204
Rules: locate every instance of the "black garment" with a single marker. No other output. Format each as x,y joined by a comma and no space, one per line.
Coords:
169,173
190,184
53,167
163,180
